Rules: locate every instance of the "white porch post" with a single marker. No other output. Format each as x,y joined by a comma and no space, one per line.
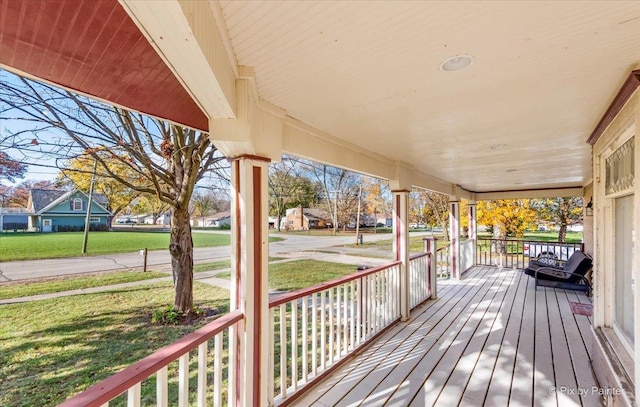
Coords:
454,236
431,247
249,264
473,229
401,246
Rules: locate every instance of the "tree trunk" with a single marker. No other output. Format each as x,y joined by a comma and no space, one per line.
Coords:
562,235
181,249
499,245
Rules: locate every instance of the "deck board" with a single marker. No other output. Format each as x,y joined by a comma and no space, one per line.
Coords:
490,339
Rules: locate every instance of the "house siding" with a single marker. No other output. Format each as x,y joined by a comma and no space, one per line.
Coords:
64,217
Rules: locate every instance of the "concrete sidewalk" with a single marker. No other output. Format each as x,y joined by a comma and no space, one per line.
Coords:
209,277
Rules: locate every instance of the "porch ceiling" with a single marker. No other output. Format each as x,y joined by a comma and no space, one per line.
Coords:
367,73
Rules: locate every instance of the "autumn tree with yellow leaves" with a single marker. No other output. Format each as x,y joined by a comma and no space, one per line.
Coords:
507,217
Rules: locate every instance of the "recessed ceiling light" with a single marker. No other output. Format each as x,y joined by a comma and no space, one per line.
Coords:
497,146
456,63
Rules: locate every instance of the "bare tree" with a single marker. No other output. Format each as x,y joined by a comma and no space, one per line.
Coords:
203,204
288,188
166,160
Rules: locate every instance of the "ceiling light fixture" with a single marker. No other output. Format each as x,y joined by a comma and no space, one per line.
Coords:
456,63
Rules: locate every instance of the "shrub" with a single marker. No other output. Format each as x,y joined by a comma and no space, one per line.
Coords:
170,316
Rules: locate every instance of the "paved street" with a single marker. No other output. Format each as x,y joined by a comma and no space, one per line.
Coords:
299,246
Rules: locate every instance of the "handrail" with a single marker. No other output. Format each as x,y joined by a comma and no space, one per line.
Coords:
417,256
120,382
445,247
294,295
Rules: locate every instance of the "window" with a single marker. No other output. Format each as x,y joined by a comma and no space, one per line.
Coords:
623,279
94,220
76,204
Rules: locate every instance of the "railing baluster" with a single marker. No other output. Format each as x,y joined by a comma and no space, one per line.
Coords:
359,312
331,336
271,360
283,350
202,374
305,340
352,310
314,335
338,347
345,320
233,367
294,344
183,380
323,331
133,395
162,390
217,369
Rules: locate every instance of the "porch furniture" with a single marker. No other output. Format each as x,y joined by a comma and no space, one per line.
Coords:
571,276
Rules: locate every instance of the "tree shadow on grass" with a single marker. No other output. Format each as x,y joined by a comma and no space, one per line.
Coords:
51,350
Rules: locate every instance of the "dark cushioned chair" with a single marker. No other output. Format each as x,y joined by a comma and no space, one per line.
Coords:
571,276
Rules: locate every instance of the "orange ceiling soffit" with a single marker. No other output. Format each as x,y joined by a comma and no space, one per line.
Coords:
93,47
630,85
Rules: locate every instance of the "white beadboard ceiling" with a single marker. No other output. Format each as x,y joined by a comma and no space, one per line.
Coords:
367,72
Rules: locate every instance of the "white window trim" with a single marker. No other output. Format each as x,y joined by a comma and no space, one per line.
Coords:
75,201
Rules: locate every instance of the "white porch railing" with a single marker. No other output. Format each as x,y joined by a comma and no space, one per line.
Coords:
317,327
311,332
419,279
210,362
467,257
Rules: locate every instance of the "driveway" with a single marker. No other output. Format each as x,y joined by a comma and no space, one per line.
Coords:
293,245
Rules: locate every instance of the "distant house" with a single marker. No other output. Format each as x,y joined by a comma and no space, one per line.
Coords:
306,218
219,219
216,220
54,210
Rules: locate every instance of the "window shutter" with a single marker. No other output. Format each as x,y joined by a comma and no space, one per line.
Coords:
70,204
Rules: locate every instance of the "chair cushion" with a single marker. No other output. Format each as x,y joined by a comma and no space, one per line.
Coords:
578,263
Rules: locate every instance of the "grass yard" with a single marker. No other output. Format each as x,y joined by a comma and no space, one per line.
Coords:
416,244
294,275
16,290
52,349
211,266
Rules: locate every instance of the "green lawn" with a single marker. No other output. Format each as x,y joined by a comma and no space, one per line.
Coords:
211,266
294,275
29,246
16,290
416,244
52,349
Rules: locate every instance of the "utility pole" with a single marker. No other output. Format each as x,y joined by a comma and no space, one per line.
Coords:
335,214
87,219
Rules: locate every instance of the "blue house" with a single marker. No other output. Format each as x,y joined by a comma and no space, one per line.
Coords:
53,210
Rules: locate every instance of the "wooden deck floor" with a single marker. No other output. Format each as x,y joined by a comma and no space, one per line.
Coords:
490,339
